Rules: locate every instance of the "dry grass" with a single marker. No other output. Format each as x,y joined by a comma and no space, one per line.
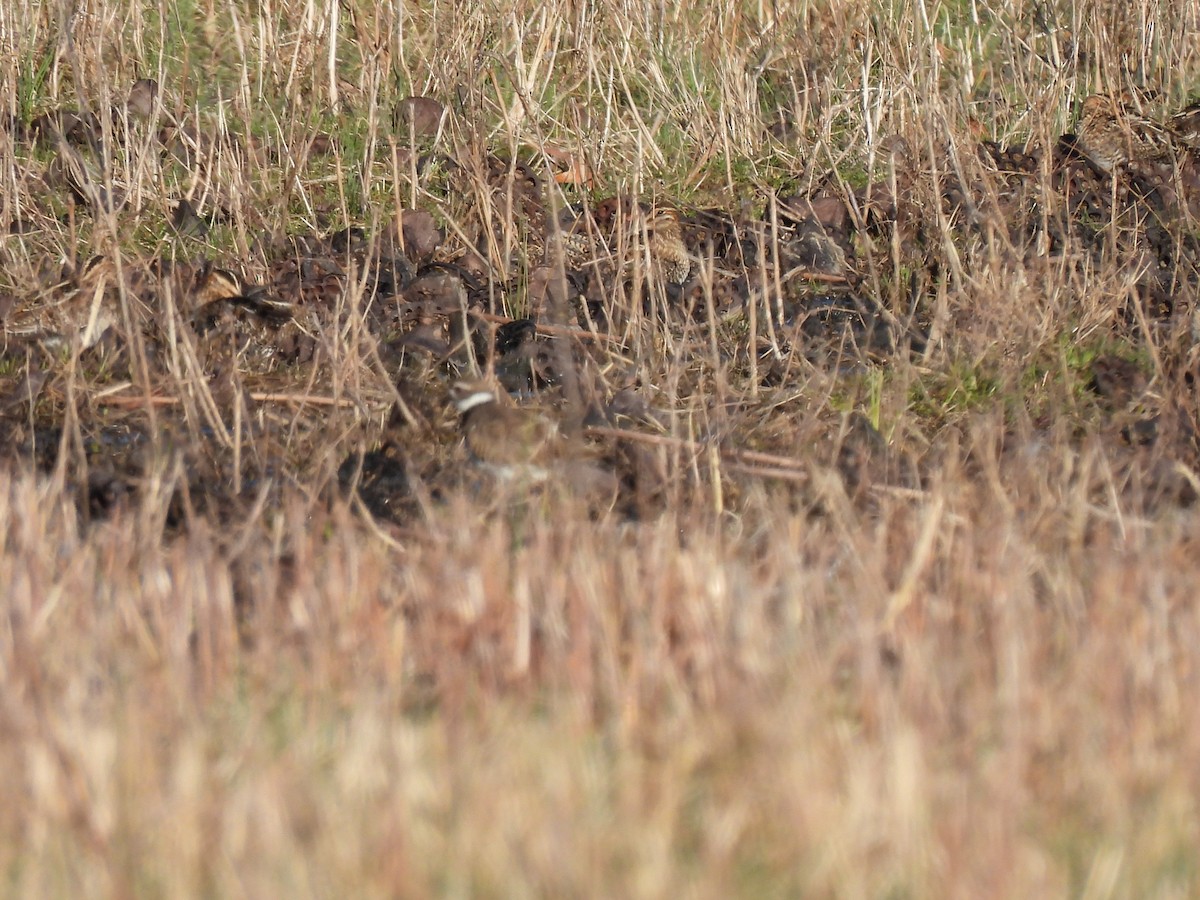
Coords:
955,657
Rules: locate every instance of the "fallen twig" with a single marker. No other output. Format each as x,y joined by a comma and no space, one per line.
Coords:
260,396
554,330
767,464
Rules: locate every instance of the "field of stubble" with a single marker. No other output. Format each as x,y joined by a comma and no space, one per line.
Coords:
863,563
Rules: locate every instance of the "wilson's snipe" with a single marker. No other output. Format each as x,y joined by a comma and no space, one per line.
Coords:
658,225
1111,135
1186,123
667,248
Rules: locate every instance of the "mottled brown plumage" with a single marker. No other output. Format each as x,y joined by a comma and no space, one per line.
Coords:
1186,124
667,249
1112,135
659,226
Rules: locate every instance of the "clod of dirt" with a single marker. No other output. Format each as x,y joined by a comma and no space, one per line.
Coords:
419,117
814,251
187,221
553,298
381,479
420,234
80,129
1117,380
142,97
828,212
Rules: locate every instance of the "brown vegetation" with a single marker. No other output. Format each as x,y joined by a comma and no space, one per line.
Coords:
864,563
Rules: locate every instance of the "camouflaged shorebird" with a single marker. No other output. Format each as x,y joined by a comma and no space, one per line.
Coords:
1186,124
1112,135
667,249
658,226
